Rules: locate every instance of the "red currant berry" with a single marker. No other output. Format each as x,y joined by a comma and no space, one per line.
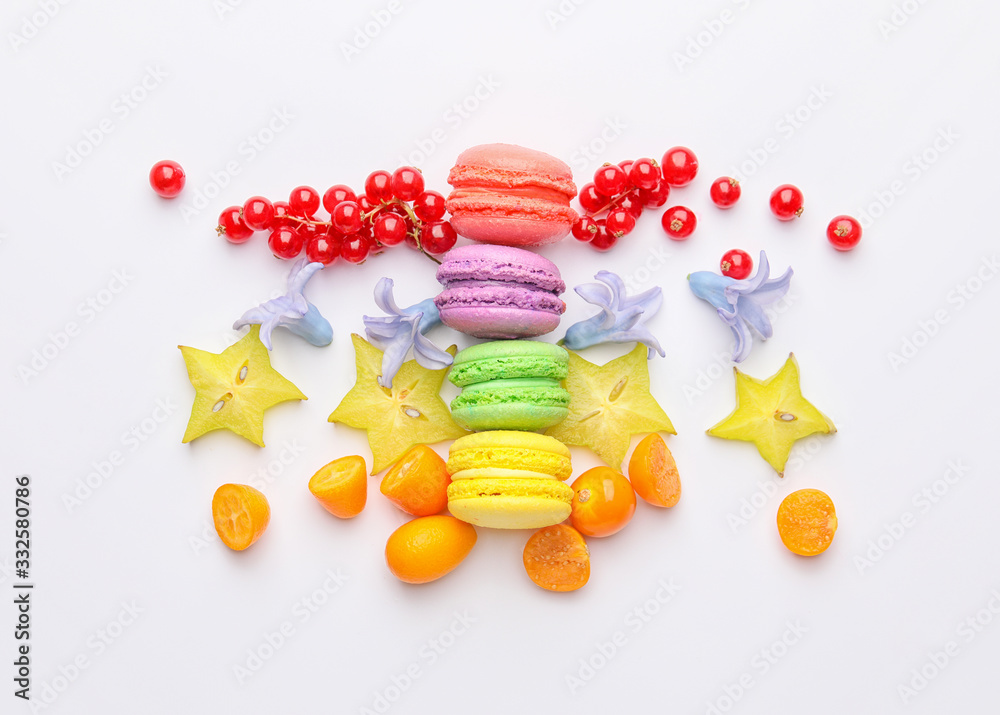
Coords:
604,240
167,178
736,264
679,166
620,222
584,229
285,242
335,194
725,192
679,222
281,213
590,200
322,249
346,217
231,225
355,248
389,229
429,206
610,180
844,232
786,202
378,187
407,183
644,174
258,213
631,203
304,201
437,237
626,166
655,198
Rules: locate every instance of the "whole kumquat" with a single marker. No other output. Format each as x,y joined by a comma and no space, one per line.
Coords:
604,502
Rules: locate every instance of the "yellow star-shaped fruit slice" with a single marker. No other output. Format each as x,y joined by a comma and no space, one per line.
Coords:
608,404
410,413
772,414
234,387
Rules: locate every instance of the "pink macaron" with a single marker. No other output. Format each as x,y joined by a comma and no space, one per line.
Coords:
499,292
510,195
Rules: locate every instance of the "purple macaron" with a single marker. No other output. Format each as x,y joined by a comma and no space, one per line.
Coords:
499,292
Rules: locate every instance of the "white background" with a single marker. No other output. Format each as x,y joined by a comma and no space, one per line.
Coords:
884,88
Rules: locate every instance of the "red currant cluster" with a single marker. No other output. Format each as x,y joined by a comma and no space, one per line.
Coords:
394,209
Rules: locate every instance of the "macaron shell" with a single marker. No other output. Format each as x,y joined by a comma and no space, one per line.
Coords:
510,503
530,403
519,416
526,441
500,263
508,231
496,323
525,451
510,165
500,473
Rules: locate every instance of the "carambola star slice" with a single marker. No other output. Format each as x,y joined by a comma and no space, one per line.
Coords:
411,412
608,404
772,414
234,388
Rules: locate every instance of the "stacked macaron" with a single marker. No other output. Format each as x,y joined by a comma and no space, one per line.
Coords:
510,385
511,195
509,480
499,292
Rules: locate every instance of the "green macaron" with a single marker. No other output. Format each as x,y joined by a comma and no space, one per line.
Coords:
510,385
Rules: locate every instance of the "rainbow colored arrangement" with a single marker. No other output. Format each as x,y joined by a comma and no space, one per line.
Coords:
522,401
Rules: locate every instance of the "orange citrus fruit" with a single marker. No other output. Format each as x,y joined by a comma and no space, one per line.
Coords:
418,483
341,486
653,472
428,547
603,502
557,559
807,522
241,513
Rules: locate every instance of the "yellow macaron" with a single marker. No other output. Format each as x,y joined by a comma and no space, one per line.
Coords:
509,480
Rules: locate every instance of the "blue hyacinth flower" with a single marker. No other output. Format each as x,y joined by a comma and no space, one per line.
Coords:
402,329
741,303
622,316
291,310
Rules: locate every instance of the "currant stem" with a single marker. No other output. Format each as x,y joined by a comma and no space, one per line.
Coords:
413,219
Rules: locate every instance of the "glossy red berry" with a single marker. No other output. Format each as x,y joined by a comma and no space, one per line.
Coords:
679,222
335,194
736,264
231,225
258,213
167,178
346,217
323,248
285,242
584,229
644,174
304,201
619,223
725,192
378,186
844,232
632,203
656,197
389,229
604,240
610,180
429,206
679,166
437,237
626,166
786,202
591,200
355,248
407,183
281,213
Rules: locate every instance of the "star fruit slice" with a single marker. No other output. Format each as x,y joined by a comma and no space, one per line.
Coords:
409,413
772,414
234,388
608,404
